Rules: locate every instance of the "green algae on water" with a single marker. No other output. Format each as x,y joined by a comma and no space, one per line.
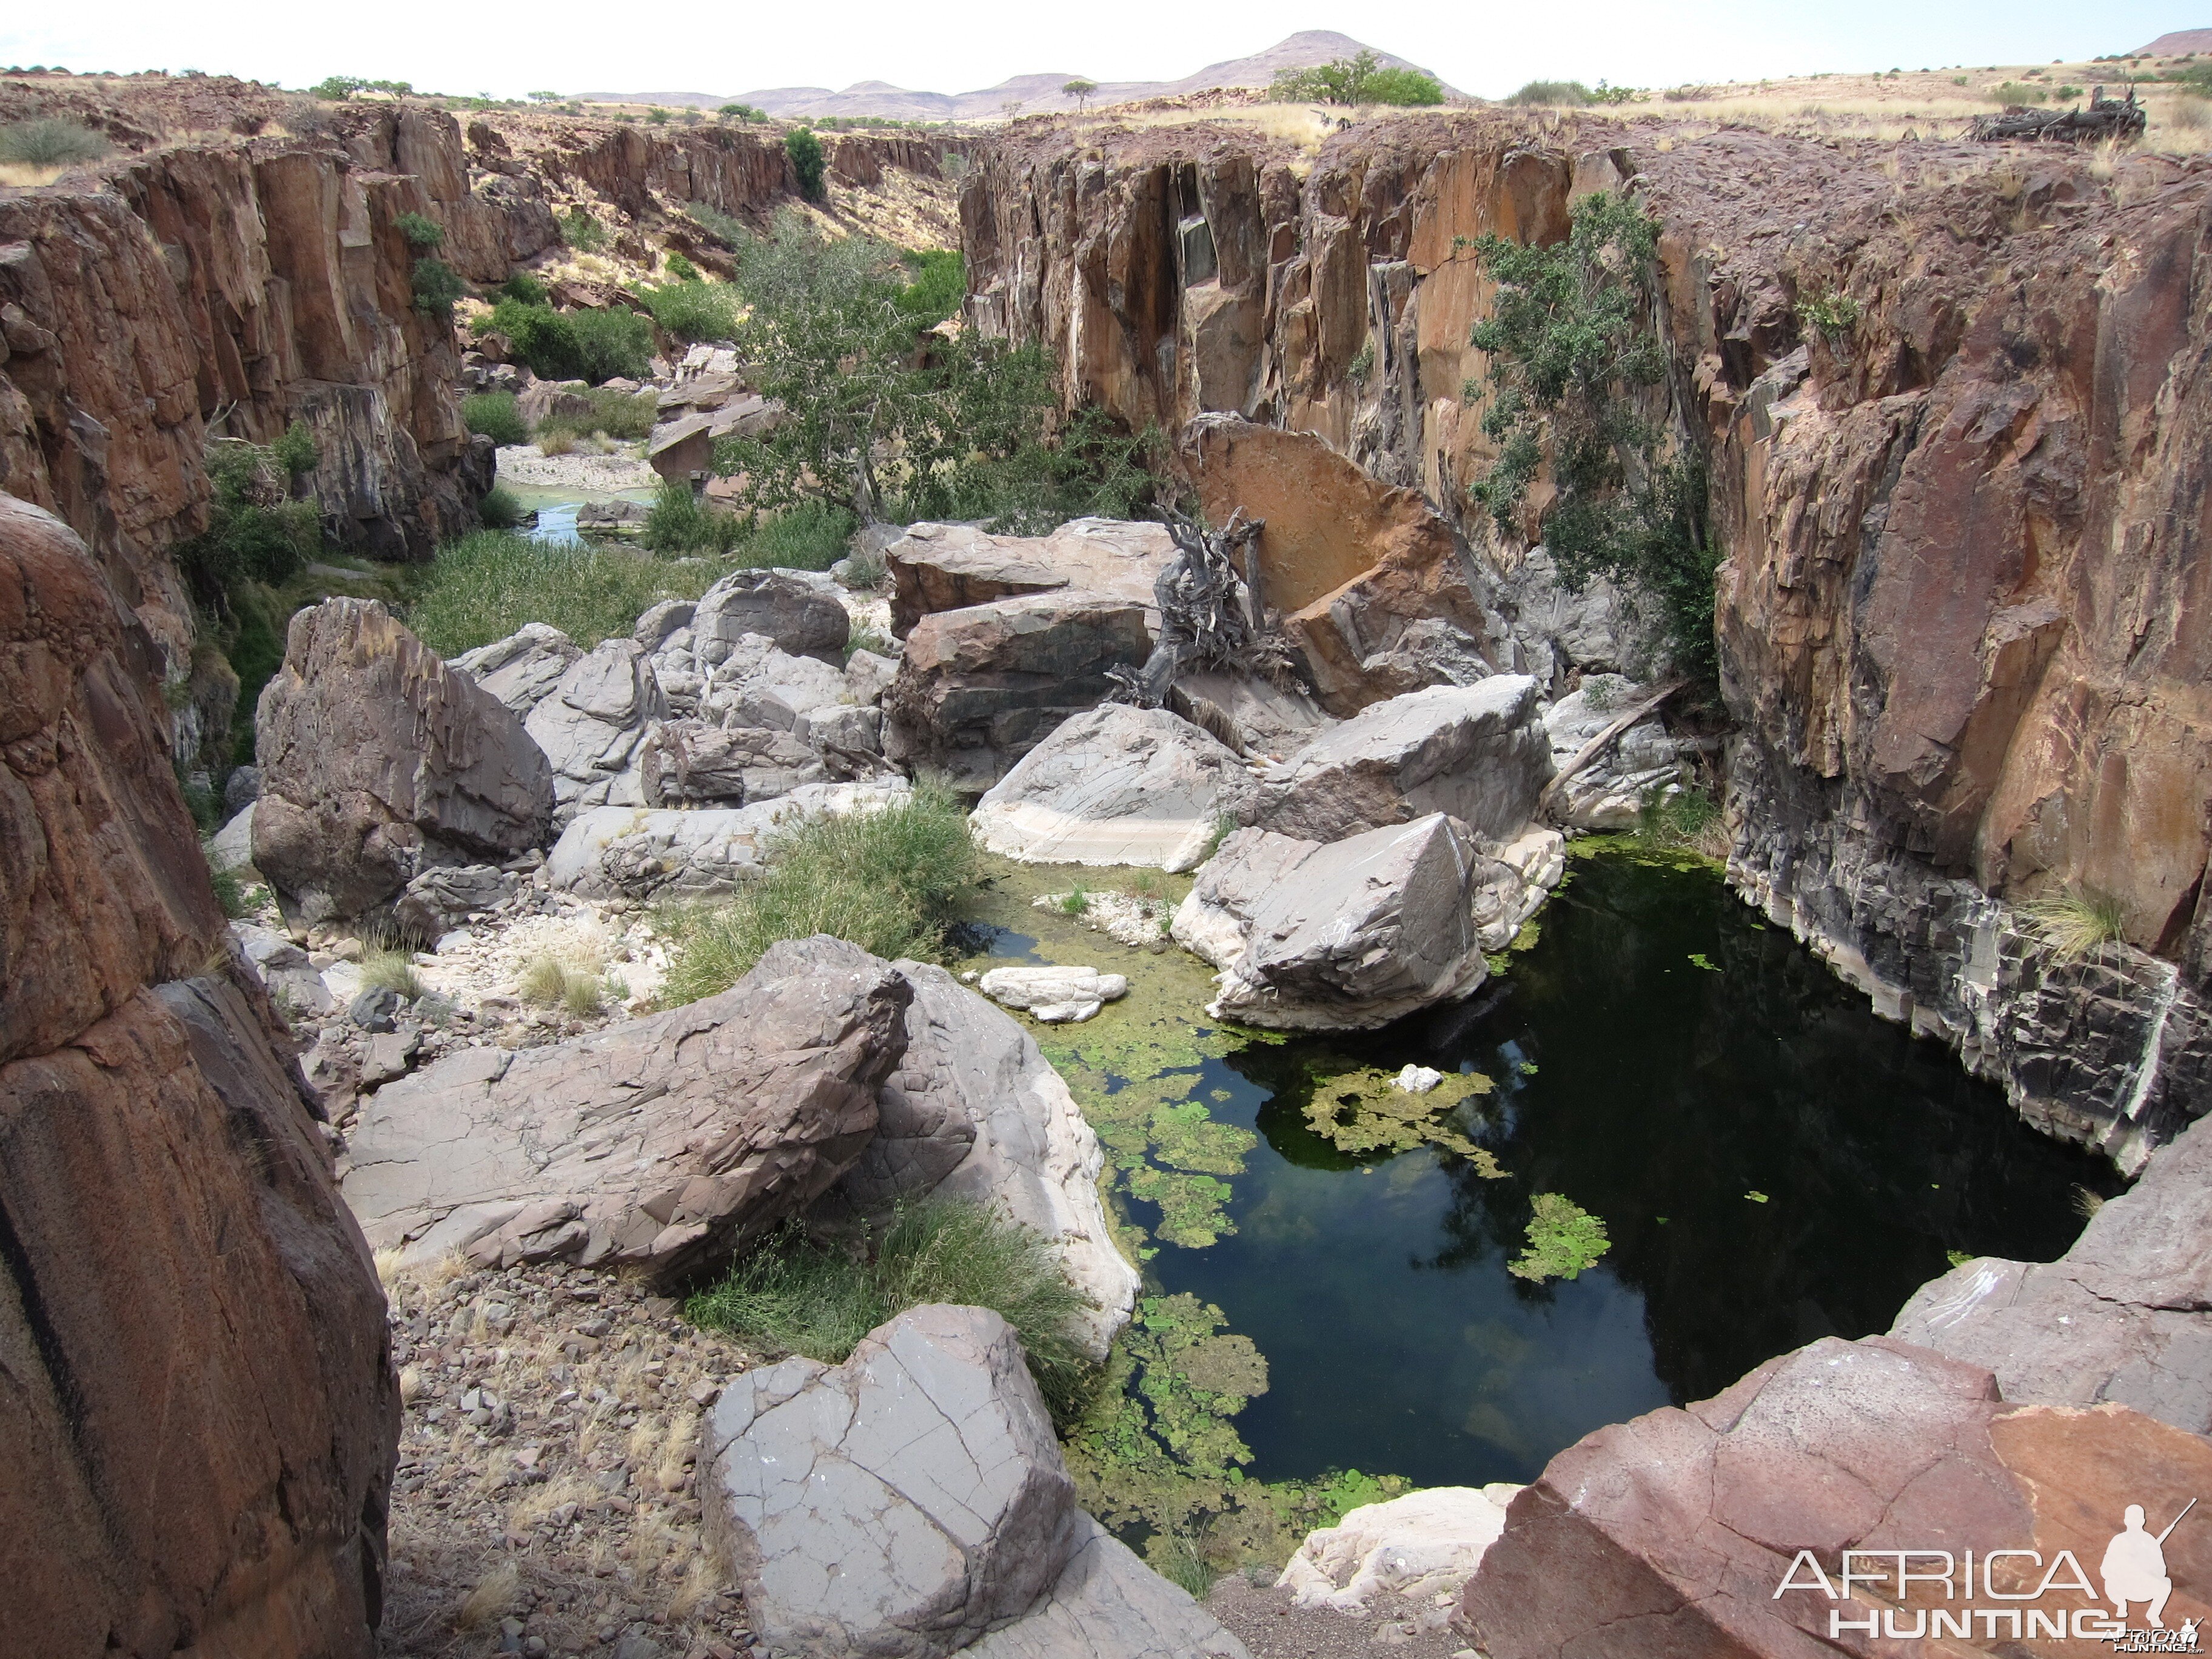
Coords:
1361,1110
1564,1239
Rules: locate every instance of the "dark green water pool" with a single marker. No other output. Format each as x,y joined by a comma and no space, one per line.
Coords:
1771,1163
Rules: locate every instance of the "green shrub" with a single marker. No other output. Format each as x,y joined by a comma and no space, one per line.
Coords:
693,310
489,583
680,521
729,232
387,967
1572,94
887,881
1834,314
1686,821
525,288
804,151
501,509
256,533
742,112
421,233
795,1295
229,892
295,449
495,415
940,283
680,269
2011,92
627,415
256,653
437,285
339,86
1572,349
810,535
1361,79
582,232
51,142
658,118
574,345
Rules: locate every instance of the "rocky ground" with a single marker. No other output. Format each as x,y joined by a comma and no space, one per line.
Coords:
1268,1622
544,1499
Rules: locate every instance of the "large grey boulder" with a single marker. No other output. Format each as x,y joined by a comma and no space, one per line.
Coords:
284,969
689,762
522,668
231,847
1478,752
2120,1318
975,1112
946,567
1610,792
899,1505
438,901
798,611
1116,785
1345,936
979,688
379,761
1109,1605
629,852
661,1145
590,726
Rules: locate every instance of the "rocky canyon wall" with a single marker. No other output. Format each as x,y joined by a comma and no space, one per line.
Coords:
1961,618
196,1387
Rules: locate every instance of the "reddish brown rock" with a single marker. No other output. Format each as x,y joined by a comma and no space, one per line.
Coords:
980,687
378,761
1350,562
200,1413
1670,1534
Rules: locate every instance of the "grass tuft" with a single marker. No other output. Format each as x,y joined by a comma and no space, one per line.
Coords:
489,583
2079,923
797,1295
886,881
388,968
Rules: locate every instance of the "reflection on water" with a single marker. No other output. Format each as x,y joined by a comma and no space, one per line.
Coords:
557,522
1773,1163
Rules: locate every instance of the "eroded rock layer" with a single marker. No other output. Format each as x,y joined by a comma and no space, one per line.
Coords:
1961,625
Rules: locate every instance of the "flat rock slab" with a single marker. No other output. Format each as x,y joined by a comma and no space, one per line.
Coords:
975,1112
1478,752
1115,785
1109,1605
662,1143
1422,1544
2119,1317
1343,937
798,611
1671,1534
943,567
896,1506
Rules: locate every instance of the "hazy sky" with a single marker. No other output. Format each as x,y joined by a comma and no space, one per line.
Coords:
567,47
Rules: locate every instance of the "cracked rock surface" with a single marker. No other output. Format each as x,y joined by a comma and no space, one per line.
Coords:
896,1506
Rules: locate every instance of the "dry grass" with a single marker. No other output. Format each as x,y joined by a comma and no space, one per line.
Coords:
24,176
575,982
2078,923
492,1600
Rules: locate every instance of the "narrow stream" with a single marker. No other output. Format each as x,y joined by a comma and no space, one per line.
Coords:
1771,1163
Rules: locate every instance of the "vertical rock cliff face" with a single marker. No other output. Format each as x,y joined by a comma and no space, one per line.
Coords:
196,1389
1963,617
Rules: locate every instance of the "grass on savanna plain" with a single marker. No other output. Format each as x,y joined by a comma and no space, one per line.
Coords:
799,1296
888,881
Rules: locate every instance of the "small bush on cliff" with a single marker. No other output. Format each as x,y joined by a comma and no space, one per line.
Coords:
2079,923
804,151
51,143
1572,350
437,287
489,583
968,429
819,1300
582,232
255,532
495,415
525,288
888,881
421,233
940,285
1571,94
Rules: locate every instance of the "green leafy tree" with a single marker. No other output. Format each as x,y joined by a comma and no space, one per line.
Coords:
1361,79
421,233
964,430
1572,347
437,286
804,151
742,112
1079,90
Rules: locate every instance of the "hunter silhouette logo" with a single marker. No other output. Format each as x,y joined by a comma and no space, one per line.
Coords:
2133,1570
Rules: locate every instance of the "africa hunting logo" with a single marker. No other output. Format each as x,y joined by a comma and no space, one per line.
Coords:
2132,1575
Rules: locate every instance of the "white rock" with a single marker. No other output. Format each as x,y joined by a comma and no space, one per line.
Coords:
1039,988
1065,1013
1426,1543
232,846
1418,1080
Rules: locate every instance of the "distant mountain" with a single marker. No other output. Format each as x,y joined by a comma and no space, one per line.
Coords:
2173,44
1035,94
